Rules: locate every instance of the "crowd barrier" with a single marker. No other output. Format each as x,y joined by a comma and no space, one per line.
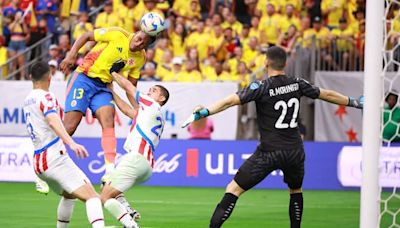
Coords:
198,163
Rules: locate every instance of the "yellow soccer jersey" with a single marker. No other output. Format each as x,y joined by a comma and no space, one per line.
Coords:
270,25
335,9
343,44
105,20
112,46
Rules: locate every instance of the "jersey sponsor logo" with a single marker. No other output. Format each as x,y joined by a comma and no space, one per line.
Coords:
255,85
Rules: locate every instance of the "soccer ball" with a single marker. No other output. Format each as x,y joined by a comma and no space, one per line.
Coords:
152,23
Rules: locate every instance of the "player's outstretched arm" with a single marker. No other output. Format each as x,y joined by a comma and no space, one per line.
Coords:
129,88
55,123
78,44
121,104
340,99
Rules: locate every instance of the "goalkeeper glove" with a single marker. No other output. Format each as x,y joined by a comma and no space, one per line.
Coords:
356,103
201,113
117,66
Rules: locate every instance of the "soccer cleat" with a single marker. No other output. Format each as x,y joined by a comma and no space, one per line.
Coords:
105,178
135,215
41,186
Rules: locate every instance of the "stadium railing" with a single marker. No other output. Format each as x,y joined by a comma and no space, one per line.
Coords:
39,47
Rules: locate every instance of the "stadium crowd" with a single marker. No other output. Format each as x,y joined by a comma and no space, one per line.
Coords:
206,40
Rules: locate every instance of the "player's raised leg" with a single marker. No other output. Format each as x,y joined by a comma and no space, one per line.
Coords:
132,212
104,110
116,208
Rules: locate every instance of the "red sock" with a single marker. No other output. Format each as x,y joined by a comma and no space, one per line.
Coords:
109,145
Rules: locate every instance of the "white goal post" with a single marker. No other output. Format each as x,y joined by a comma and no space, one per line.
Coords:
370,190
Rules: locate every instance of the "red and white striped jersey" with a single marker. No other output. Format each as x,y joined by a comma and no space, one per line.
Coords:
37,105
146,129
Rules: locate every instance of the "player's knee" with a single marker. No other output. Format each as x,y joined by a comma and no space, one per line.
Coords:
70,128
234,188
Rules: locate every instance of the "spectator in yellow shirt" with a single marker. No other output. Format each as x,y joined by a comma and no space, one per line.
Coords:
107,18
177,36
161,47
359,15
245,36
80,28
3,57
344,38
242,75
208,68
165,66
233,62
221,74
231,22
200,40
250,52
217,40
333,10
187,8
191,74
321,33
269,26
261,7
126,14
172,76
289,19
254,23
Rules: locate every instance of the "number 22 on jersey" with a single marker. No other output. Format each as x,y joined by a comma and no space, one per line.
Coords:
292,103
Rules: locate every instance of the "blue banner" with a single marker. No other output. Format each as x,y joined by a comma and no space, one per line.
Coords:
206,163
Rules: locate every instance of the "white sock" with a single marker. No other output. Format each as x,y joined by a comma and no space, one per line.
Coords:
64,212
110,168
119,212
121,198
94,212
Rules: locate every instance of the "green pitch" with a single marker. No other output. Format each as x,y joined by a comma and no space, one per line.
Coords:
167,207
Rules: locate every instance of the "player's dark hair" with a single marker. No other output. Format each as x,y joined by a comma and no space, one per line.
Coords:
276,57
39,71
165,93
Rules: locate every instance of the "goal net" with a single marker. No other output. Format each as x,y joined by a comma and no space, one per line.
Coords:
390,119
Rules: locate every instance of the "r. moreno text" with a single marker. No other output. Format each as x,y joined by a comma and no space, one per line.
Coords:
284,89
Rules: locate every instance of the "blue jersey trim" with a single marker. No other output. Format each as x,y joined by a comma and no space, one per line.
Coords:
48,112
137,96
145,137
54,141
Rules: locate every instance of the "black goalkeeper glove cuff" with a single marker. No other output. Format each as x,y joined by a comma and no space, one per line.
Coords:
116,67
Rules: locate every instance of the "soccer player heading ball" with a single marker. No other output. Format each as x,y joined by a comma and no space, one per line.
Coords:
87,87
281,147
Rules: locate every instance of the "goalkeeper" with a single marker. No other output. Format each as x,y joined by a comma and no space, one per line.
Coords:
281,147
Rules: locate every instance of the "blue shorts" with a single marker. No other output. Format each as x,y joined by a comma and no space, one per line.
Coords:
84,92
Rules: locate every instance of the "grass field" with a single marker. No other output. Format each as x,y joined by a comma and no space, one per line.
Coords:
21,206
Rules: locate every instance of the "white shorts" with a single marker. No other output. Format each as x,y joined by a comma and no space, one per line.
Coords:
133,169
61,173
